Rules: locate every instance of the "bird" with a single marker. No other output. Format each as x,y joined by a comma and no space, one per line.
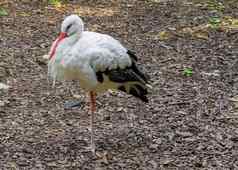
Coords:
98,61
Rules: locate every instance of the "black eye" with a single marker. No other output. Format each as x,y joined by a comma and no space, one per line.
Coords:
68,27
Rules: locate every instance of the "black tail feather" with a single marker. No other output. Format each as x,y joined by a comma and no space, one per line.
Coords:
132,55
131,79
135,67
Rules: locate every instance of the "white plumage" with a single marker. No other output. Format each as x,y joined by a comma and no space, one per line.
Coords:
97,60
81,59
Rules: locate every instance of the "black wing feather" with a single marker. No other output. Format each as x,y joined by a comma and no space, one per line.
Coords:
134,59
132,55
131,79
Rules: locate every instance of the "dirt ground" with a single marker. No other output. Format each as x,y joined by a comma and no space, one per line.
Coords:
191,121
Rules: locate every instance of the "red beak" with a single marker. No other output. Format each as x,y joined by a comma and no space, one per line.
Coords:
56,43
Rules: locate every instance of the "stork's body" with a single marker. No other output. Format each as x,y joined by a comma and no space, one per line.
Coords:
97,60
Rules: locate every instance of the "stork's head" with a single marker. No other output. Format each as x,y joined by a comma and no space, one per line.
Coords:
71,25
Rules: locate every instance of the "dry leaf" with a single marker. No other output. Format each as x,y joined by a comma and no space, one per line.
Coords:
202,35
103,157
46,57
164,35
234,99
4,86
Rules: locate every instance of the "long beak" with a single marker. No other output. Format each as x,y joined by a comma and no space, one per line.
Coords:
56,43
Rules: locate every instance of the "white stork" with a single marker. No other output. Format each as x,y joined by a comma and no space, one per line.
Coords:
98,61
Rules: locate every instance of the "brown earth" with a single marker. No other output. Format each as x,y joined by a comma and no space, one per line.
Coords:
191,121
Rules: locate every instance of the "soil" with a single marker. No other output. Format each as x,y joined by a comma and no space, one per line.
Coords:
191,121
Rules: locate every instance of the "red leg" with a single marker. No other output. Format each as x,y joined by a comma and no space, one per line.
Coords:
93,109
93,101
